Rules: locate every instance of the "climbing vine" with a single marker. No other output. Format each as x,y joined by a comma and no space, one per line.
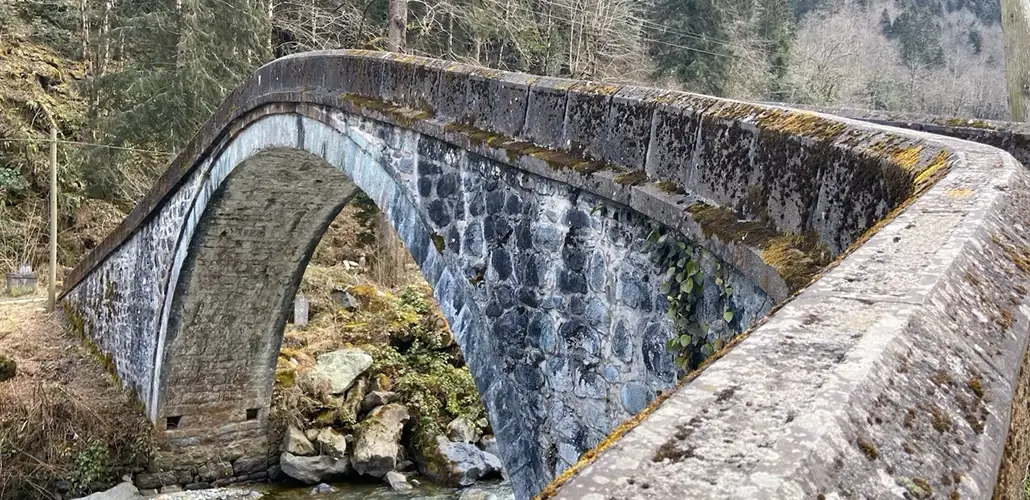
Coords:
684,285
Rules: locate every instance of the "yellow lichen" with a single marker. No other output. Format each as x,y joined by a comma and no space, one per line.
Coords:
796,257
934,170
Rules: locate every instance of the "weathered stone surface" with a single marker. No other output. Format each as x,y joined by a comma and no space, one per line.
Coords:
212,471
397,481
155,480
352,403
489,444
171,488
312,470
379,398
330,442
458,464
250,465
377,442
345,300
460,430
339,369
296,443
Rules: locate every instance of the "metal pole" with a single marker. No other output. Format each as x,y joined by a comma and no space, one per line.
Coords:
52,291
1015,23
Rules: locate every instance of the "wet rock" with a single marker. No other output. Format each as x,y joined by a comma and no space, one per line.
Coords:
8,368
489,445
123,491
397,481
322,488
312,470
197,486
460,430
377,441
295,443
339,369
379,398
457,464
330,442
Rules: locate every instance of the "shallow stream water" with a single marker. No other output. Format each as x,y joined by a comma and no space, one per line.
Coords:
351,491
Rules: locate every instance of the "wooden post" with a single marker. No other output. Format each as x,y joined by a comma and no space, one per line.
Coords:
51,304
397,25
1015,22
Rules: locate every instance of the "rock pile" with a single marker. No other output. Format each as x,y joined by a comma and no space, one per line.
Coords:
375,446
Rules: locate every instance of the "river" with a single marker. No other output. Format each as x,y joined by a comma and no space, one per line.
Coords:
352,491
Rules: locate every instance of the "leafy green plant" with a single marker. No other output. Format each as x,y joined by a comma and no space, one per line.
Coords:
683,284
91,465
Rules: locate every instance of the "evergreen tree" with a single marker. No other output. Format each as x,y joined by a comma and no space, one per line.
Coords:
689,46
174,61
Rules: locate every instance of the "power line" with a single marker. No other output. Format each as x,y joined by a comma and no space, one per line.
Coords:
92,144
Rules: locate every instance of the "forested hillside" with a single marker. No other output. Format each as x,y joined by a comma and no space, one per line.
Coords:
140,76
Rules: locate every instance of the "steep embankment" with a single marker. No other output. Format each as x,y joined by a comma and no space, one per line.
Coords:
36,81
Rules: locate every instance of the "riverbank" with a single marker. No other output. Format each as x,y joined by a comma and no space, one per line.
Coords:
489,491
66,426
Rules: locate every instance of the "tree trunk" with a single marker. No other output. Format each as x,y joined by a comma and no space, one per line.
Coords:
1015,22
105,35
84,8
450,34
397,25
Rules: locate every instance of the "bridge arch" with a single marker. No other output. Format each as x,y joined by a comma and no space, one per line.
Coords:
553,302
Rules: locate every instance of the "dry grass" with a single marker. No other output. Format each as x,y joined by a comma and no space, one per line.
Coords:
61,417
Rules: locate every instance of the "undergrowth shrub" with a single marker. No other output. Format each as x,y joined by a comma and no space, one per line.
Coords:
49,434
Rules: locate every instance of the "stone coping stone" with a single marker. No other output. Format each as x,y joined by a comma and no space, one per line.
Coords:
1013,137
891,376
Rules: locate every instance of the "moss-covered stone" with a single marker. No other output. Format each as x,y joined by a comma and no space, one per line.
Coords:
8,368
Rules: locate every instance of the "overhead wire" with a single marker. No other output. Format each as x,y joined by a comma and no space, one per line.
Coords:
91,144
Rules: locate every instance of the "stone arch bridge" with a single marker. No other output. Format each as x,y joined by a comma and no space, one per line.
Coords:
528,203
